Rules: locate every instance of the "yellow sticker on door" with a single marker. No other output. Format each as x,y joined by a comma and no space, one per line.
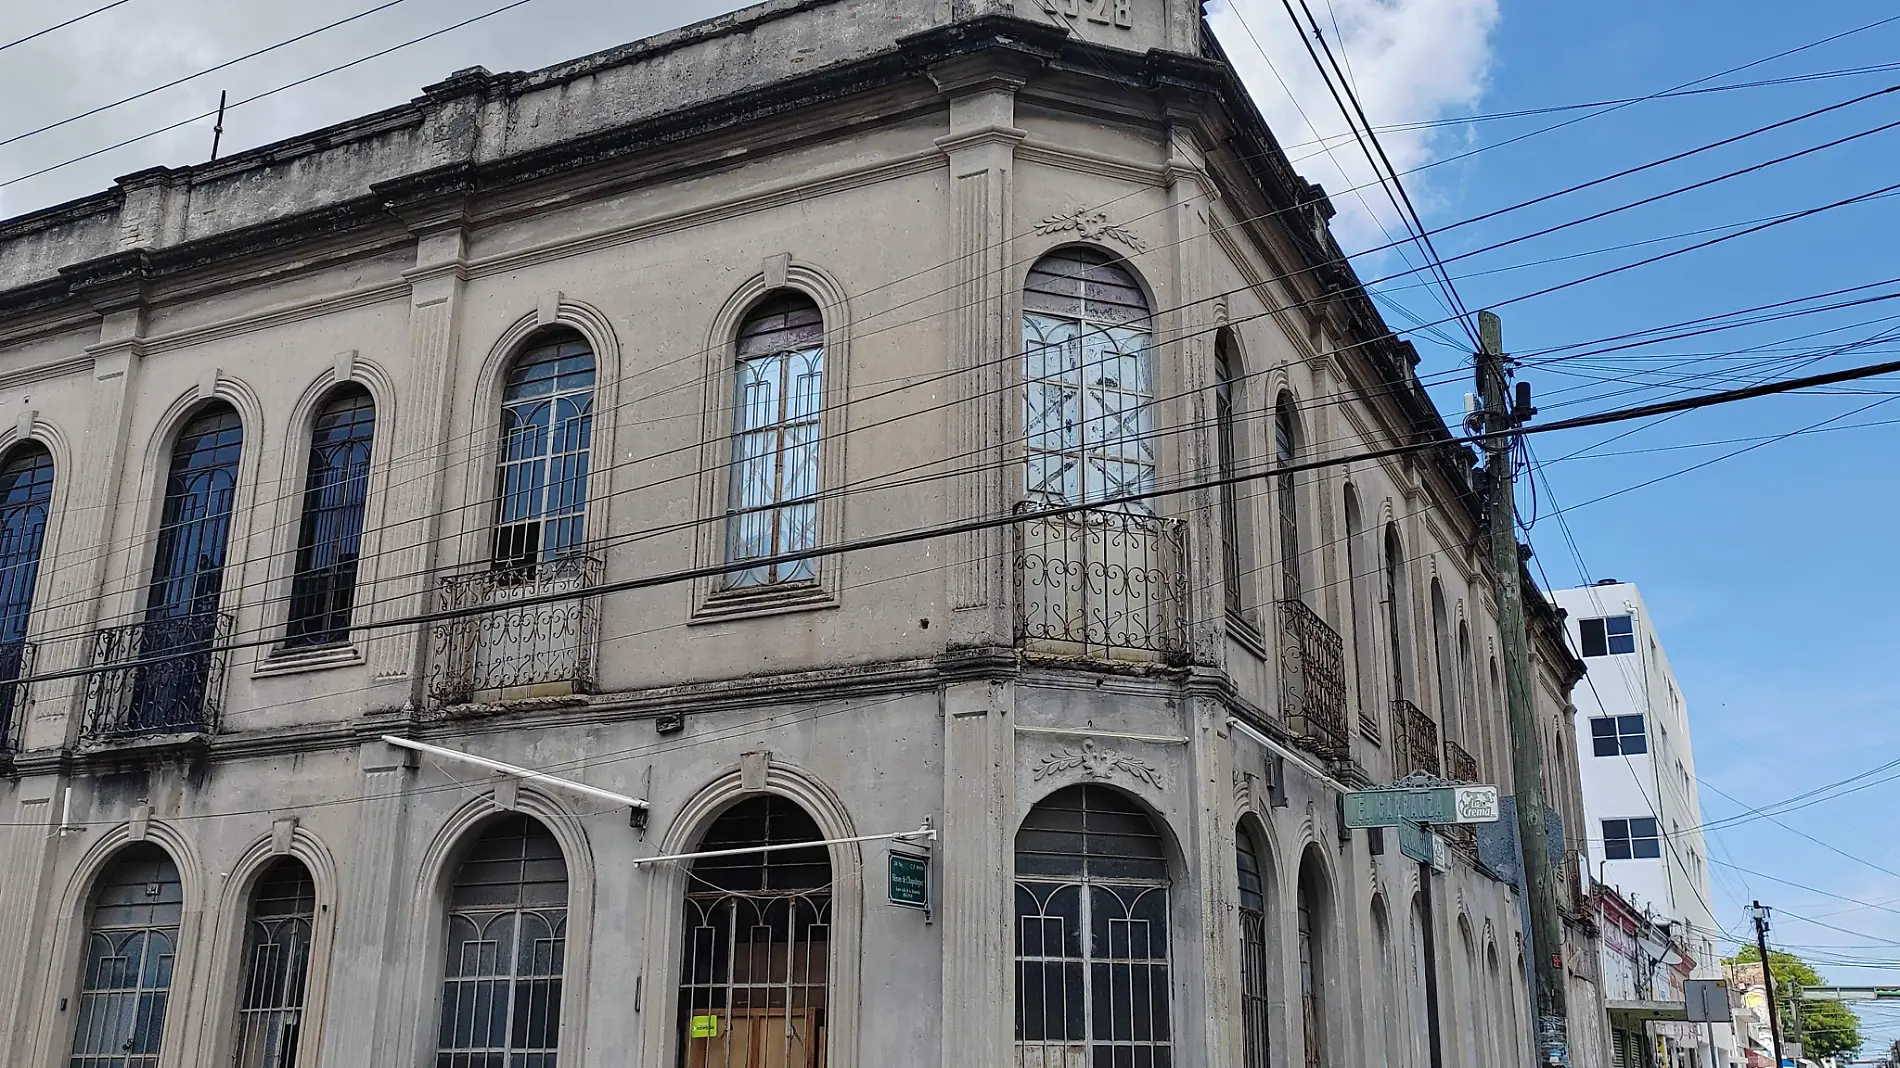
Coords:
705,1027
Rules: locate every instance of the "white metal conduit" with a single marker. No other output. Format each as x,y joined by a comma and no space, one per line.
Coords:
923,834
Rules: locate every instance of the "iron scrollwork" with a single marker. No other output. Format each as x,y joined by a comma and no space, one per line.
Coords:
1104,580
1313,681
163,676
517,651
16,663
1415,738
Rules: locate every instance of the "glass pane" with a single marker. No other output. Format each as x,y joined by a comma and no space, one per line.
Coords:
1643,828
1646,848
1604,746
1616,849
1593,640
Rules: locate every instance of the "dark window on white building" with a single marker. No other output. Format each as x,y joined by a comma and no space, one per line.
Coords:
1619,736
1631,839
1606,635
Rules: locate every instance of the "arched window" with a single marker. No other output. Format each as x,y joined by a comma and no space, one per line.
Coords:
1498,1024
1092,948
1286,451
1502,756
1314,923
547,433
1088,382
779,393
1398,610
330,535
1424,983
1474,1002
506,950
1475,721
181,609
1255,960
1358,602
276,967
131,942
1233,567
757,958
1441,660
26,489
1385,1044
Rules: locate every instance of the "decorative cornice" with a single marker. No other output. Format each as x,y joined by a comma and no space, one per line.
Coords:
1097,763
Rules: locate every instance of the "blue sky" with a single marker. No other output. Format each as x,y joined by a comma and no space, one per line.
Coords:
1765,572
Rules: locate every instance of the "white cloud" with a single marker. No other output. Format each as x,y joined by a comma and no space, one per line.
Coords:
1409,61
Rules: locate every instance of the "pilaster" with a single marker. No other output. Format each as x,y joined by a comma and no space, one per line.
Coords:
421,452
116,286
365,995
27,841
977,862
1215,1006
980,149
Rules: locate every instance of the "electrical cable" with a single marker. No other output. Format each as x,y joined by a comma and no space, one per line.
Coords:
83,16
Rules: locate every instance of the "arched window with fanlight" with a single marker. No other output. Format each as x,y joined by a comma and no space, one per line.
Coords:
1256,959
26,491
131,946
547,432
778,399
277,933
330,532
1398,611
174,689
506,950
1093,951
756,968
1447,676
1286,452
1233,554
1312,931
1088,382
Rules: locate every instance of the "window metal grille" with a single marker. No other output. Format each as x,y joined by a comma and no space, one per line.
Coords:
131,941
1312,976
330,537
1285,452
1415,740
26,488
1254,959
507,948
1104,581
276,967
1313,681
176,688
518,652
772,506
756,967
547,431
1232,569
1092,949
1088,388
1398,598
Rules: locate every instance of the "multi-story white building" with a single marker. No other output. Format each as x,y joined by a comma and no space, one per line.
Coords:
1636,765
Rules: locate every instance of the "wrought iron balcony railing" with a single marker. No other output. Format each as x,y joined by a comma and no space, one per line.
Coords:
163,676
1102,583
16,663
1313,681
1415,739
512,651
1460,766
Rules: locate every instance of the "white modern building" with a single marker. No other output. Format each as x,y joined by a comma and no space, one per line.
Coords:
1637,771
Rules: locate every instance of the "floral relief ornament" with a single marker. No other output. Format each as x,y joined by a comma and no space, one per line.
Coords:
1090,225
1097,763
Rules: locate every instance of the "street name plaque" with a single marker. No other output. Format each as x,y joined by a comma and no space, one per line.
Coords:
910,880
1443,804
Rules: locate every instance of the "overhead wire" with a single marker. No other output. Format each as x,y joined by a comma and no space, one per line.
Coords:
81,17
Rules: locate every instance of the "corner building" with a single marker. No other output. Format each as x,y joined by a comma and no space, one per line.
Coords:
392,430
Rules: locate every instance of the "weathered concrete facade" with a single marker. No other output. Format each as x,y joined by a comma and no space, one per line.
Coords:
900,167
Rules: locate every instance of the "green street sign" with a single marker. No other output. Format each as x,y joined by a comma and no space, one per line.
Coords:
1443,804
910,880
1416,842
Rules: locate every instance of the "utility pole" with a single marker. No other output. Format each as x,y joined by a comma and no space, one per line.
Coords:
1501,416
1759,914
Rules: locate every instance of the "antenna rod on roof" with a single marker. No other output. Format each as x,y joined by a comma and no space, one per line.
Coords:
217,132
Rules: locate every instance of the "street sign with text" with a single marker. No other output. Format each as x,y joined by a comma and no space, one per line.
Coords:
910,880
1444,804
1416,842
